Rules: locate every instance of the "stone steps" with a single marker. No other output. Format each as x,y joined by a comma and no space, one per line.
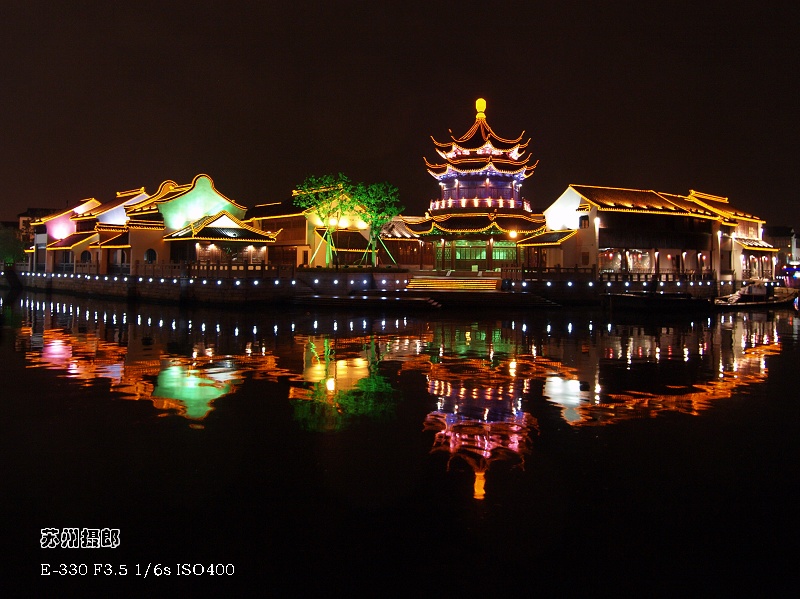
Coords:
453,284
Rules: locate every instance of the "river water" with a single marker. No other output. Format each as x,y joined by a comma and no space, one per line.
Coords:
554,452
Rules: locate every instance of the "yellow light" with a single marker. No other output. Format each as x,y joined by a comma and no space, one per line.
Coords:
330,384
333,221
344,222
480,106
512,234
479,488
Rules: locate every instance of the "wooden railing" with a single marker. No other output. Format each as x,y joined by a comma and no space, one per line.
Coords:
556,273
219,270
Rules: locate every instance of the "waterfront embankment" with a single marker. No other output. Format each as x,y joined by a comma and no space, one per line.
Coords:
322,286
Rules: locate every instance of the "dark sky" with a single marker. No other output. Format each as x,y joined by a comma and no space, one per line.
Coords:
97,97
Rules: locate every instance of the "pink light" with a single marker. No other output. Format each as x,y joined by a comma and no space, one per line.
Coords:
60,231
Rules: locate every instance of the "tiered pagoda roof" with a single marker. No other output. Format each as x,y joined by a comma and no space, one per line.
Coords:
480,176
481,152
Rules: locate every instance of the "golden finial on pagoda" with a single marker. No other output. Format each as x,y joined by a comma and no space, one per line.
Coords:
480,106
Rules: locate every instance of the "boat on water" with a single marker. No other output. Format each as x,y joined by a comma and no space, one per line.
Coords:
656,301
758,294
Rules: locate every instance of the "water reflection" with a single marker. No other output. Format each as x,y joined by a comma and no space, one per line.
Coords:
487,382
342,383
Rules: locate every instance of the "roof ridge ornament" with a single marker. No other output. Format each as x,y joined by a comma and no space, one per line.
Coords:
480,106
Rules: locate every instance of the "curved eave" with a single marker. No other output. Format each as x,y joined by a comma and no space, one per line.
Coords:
488,160
72,241
418,226
547,238
449,171
222,238
481,127
655,211
166,187
194,185
455,224
751,248
149,226
118,241
515,147
521,225
755,245
208,222
149,208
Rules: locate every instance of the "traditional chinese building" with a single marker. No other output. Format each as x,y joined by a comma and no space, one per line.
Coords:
191,223
305,240
481,212
634,233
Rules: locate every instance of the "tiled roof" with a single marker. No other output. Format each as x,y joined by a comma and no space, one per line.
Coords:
478,135
639,200
689,206
87,204
119,239
614,198
481,222
421,227
755,244
146,223
547,238
399,228
480,148
166,191
273,210
473,165
121,198
720,206
221,227
73,240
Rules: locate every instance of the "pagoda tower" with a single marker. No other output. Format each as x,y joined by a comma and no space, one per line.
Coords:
481,169
481,214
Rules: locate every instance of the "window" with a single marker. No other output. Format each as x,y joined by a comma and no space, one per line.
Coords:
150,256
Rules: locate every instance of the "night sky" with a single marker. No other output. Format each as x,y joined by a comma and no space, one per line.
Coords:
101,97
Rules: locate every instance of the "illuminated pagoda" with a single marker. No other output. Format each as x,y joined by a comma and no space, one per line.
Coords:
481,212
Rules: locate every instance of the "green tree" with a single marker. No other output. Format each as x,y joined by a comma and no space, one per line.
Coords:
328,197
11,249
379,203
